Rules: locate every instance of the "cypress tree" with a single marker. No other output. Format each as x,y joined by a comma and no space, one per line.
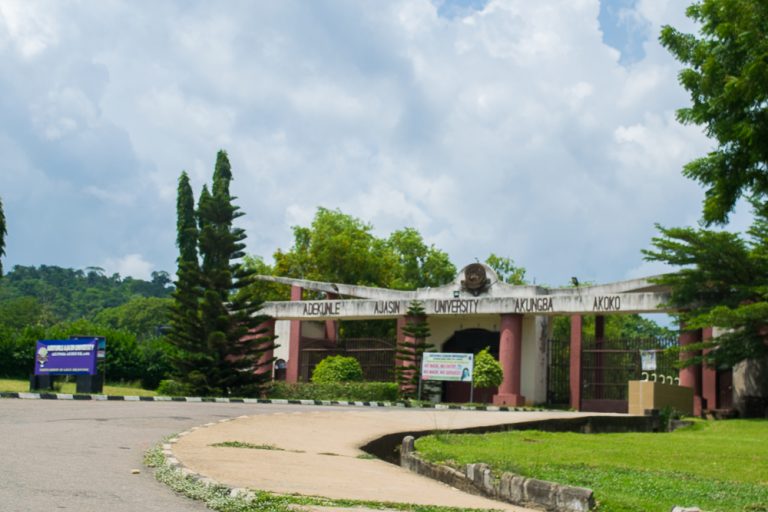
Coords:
410,353
224,356
3,232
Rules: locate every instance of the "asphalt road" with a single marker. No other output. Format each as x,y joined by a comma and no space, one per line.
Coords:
78,455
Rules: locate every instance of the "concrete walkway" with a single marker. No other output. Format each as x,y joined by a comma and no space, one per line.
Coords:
317,453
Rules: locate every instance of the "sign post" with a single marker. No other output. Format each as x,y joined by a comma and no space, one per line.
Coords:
448,366
65,357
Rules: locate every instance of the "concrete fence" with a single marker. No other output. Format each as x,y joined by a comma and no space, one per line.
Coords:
478,479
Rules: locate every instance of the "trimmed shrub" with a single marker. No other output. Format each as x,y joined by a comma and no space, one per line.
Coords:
348,391
487,372
337,369
170,387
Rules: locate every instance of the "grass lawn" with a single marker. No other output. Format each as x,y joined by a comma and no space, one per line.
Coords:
22,386
721,465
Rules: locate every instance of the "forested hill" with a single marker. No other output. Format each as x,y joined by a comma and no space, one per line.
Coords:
63,294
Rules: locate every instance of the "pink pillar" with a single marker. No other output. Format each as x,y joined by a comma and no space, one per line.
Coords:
708,378
575,374
510,352
599,345
690,376
331,326
294,343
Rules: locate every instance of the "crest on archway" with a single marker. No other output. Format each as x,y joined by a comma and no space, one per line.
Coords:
475,279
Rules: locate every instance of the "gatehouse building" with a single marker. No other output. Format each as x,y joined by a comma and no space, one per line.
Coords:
477,310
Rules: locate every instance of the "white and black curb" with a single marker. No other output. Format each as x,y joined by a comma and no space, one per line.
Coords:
276,401
170,460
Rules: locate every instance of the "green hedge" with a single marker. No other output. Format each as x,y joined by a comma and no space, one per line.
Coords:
354,391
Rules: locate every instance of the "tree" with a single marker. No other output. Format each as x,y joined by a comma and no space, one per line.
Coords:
410,352
420,265
722,276
219,340
722,283
487,372
3,233
337,248
506,269
727,78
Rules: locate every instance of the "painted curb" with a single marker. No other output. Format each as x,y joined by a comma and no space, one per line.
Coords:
276,401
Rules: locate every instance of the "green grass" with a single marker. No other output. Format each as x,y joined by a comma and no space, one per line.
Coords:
718,466
22,386
243,444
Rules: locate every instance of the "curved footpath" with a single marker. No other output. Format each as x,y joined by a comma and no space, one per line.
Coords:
318,453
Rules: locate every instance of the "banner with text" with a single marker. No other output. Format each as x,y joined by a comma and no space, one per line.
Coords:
447,366
65,357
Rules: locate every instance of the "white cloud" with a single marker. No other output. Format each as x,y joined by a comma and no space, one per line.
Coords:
133,265
513,129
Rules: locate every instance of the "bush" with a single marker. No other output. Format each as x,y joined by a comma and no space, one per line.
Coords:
348,391
488,372
337,369
170,387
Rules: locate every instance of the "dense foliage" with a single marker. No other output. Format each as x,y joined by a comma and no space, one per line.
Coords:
337,369
487,372
53,303
342,249
727,78
722,281
355,391
219,337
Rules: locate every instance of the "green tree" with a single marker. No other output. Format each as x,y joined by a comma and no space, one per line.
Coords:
506,269
338,248
722,283
487,372
727,78
145,317
420,265
722,276
410,353
220,345
3,233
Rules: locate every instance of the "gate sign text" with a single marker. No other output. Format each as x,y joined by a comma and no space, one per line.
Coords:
65,357
447,366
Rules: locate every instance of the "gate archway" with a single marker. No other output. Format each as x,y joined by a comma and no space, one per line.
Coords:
470,341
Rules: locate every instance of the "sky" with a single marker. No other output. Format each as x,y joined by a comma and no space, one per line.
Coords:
541,131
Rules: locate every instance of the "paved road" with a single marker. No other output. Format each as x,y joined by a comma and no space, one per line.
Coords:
78,455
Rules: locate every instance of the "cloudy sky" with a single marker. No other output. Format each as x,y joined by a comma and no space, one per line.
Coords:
543,131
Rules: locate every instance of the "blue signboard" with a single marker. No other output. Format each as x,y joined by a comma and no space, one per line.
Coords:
66,357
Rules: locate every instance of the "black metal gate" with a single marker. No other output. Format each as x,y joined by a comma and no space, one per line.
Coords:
558,372
376,356
606,368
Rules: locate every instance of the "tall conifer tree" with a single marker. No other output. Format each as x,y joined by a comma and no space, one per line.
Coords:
3,232
410,353
225,356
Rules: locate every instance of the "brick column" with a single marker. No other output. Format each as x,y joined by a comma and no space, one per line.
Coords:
575,371
294,343
332,326
708,378
510,352
690,376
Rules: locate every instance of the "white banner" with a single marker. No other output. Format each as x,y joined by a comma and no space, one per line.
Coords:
447,366
648,360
